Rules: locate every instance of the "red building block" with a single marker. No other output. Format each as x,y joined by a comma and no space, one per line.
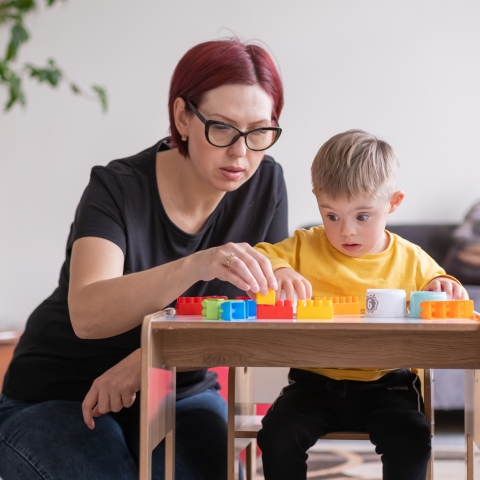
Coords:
282,310
189,305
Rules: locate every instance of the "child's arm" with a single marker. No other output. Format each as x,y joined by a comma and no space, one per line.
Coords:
292,282
454,290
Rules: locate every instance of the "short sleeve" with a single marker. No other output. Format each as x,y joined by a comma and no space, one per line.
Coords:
100,211
278,228
428,269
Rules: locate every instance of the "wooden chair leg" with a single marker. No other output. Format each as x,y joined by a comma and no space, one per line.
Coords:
469,457
251,463
430,468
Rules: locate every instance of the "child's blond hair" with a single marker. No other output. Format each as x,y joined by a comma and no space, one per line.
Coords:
355,163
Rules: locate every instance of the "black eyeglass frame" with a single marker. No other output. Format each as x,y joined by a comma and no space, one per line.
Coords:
209,123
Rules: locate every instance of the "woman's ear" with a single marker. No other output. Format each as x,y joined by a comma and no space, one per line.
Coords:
396,200
181,117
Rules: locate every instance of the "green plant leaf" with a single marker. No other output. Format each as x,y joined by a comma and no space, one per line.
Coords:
15,91
102,96
18,35
24,5
51,74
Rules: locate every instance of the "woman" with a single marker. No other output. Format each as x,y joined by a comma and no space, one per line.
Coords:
176,219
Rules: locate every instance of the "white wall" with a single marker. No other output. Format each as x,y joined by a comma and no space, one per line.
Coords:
406,70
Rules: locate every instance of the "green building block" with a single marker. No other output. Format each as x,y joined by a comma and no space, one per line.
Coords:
211,310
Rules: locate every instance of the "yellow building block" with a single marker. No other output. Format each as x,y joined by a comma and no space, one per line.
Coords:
314,309
268,299
446,309
343,305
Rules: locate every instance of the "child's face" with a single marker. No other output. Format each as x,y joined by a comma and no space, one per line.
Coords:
357,227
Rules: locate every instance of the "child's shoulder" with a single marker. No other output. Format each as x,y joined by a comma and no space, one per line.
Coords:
403,245
310,233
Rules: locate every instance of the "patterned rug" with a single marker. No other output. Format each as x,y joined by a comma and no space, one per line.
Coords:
358,461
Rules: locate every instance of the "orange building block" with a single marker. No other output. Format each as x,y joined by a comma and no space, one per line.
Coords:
343,305
314,310
268,299
446,309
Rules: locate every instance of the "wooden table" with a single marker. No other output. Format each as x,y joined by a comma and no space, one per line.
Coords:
345,342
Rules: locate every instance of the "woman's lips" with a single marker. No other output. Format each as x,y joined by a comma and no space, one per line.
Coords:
232,173
351,247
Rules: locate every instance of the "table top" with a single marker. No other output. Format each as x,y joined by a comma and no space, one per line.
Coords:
339,322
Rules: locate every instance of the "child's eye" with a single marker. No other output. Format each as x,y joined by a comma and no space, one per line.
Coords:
362,217
333,217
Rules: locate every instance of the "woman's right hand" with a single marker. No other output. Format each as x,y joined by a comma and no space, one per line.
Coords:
237,263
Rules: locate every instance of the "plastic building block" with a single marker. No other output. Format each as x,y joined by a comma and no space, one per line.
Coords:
449,309
416,298
243,298
343,305
189,305
282,310
233,310
211,308
251,308
268,299
314,310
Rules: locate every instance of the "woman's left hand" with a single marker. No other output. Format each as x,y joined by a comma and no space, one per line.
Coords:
114,390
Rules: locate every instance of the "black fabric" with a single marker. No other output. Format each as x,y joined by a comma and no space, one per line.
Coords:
122,204
389,409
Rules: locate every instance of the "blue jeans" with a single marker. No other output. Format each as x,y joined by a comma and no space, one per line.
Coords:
50,441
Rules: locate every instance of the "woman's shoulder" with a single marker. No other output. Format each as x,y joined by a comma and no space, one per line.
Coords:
141,163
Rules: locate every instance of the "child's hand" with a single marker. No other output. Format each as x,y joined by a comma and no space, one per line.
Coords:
453,290
292,282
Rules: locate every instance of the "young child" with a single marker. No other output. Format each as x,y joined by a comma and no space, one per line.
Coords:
354,181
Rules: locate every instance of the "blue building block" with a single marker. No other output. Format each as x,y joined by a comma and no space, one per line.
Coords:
233,310
251,309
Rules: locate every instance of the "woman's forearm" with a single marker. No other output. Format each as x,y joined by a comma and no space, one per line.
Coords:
109,307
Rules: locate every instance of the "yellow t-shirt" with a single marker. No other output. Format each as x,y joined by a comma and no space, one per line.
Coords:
334,274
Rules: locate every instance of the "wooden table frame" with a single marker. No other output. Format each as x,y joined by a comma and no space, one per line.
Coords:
168,343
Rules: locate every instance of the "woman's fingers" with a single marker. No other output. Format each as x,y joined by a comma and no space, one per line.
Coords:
128,399
88,406
243,266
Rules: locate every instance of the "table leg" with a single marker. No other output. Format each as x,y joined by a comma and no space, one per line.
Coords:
157,407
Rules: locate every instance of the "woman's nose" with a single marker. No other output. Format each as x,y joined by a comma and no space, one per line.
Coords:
239,148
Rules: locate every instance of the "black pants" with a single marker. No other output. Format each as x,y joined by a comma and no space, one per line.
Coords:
389,409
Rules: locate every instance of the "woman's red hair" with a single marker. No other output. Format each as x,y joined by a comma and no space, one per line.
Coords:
212,64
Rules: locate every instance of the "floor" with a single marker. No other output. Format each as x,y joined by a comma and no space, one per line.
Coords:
342,460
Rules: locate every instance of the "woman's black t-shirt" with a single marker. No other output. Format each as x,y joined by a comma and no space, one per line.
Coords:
121,203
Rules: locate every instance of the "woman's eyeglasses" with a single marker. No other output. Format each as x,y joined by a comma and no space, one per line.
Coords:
221,134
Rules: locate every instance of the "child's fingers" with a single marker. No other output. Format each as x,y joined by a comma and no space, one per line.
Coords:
289,290
300,289
308,288
434,286
447,287
458,292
